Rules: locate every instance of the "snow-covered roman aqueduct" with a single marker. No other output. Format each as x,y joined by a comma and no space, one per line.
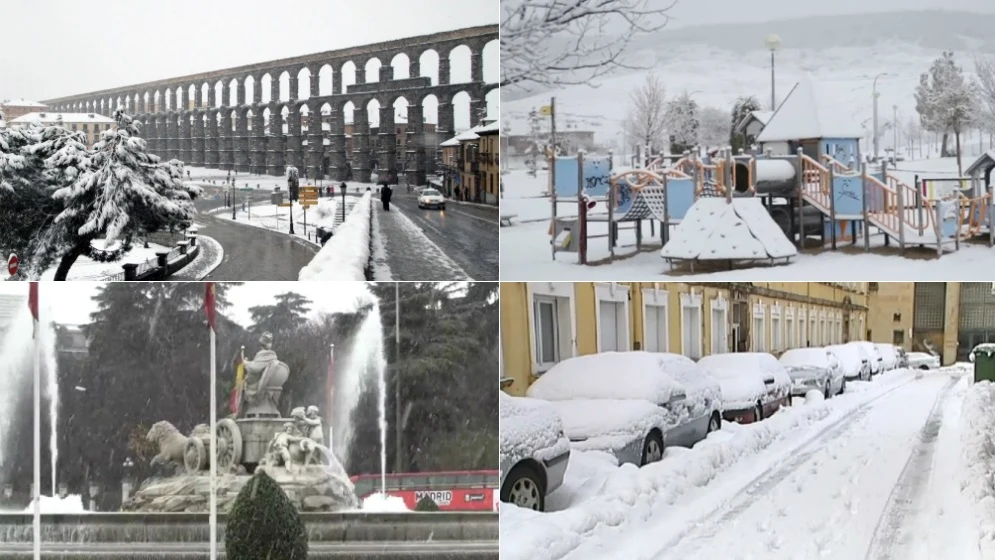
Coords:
227,118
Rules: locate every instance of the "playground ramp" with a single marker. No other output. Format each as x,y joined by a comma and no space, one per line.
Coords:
721,229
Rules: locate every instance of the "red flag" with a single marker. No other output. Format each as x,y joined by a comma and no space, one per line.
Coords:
33,299
209,303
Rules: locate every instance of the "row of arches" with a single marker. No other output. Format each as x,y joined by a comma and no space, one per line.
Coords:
460,65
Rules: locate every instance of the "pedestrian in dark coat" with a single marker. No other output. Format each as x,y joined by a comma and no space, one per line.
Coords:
385,192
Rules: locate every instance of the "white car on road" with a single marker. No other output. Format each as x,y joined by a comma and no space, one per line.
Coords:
889,357
871,354
754,385
631,404
431,198
853,361
533,449
923,360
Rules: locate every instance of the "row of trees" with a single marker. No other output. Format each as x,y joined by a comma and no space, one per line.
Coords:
57,196
949,103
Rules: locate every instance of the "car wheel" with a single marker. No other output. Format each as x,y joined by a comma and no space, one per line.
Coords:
825,392
924,367
443,207
758,413
523,487
842,386
652,448
714,423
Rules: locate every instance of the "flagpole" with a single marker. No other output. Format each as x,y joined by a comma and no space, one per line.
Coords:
33,302
329,398
214,447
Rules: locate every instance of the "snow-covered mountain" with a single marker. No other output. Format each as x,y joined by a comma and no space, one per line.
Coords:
719,63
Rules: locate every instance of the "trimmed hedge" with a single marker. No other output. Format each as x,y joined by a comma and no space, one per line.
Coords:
264,525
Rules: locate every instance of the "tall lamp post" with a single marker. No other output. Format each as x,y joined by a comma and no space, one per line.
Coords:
773,42
875,95
894,123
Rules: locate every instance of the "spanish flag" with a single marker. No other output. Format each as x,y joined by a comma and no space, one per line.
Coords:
236,392
209,303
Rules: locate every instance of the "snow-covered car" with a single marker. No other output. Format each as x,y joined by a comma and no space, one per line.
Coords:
631,404
889,357
923,360
870,352
534,451
754,385
813,369
431,198
853,361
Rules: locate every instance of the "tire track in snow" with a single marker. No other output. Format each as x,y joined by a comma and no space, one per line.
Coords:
701,531
909,487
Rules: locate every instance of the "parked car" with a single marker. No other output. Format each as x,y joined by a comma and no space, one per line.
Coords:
853,361
870,352
431,198
534,451
754,385
813,369
631,404
889,358
923,360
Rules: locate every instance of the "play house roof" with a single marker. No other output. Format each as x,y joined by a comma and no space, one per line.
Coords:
762,116
986,160
809,113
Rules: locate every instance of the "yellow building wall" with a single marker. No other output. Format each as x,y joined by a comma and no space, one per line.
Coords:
889,299
516,333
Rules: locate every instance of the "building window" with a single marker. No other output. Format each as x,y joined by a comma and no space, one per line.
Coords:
823,333
775,328
813,329
691,325
656,334
552,322
720,325
613,317
898,337
802,323
759,334
896,317
789,327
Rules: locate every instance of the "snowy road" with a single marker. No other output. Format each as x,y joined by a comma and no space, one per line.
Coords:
874,474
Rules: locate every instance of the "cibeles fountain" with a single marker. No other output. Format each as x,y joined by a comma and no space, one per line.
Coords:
291,450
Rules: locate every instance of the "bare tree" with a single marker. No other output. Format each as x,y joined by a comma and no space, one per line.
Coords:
647,120
555,43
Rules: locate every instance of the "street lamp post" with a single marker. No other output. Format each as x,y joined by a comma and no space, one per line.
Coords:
773,42
875,95
894,123
232,198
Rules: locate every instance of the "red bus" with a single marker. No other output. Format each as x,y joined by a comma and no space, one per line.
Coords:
450,490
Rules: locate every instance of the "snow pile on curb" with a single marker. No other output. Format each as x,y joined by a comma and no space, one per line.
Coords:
347,254
978,461
630,495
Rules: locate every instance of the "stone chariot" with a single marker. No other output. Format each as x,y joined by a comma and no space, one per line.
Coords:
258,434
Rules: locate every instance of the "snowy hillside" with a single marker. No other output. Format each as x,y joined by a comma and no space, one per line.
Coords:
716,64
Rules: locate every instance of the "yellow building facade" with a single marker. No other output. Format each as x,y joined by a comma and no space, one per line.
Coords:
543,323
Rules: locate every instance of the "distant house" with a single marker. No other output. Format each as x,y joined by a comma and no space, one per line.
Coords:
753,124
980,173
14,108
817,124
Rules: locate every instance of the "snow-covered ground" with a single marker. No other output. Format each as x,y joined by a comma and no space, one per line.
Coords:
346,255
86,268
526,251
874,473
277,218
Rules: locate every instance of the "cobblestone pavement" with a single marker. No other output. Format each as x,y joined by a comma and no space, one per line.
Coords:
457,243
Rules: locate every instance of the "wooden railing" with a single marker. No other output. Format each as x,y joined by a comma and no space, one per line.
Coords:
836,165
974,211
815,181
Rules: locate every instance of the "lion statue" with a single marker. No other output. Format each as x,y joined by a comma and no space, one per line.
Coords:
171,444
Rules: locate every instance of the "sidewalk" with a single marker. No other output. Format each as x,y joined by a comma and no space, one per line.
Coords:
401,251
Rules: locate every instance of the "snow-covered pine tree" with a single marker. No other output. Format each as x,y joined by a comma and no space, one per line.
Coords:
946,101
124,191
682,122
743,106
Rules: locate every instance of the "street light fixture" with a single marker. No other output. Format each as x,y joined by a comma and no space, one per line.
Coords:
773,42
875,95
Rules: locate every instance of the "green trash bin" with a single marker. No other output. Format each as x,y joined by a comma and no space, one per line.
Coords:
983,357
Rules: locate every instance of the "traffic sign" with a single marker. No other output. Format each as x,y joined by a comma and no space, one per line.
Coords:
546,110
12,263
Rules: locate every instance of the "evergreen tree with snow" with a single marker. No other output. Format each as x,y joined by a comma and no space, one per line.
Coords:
946,102
682,122
743,107
123,191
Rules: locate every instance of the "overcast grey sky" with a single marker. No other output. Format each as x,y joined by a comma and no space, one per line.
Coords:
62,47
702,12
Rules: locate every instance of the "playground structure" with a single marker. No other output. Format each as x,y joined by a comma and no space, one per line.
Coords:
806,197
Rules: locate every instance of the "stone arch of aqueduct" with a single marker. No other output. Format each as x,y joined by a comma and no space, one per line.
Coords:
241,119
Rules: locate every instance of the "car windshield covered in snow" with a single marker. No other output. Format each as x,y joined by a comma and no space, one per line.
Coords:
801,357
609,375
